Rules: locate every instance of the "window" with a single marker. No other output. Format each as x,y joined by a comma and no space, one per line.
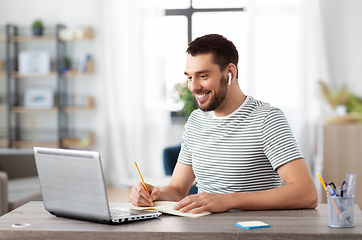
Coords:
275,51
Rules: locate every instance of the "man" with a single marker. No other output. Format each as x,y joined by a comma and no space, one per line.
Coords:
239,149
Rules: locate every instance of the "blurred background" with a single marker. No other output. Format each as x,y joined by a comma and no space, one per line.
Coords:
116,74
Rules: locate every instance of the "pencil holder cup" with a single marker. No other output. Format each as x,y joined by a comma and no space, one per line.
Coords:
340,211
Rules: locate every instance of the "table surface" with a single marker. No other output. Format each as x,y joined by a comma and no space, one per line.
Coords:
284,224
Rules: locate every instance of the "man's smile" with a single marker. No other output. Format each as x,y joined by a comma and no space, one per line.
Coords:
201,97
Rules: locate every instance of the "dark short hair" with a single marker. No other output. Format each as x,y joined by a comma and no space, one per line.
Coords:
223,50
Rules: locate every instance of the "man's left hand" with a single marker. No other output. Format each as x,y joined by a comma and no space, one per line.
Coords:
198,203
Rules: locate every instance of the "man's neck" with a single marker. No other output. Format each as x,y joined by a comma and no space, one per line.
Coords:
233,101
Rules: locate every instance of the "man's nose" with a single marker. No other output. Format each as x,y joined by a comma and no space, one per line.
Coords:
194,85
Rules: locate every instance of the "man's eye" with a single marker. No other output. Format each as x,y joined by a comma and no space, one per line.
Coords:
203,76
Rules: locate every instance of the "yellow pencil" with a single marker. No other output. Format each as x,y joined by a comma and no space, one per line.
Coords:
143,182
325,188
323,183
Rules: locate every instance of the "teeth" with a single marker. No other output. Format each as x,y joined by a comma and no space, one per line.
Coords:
201,96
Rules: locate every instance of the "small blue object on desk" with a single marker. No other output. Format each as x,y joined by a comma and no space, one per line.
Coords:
252,224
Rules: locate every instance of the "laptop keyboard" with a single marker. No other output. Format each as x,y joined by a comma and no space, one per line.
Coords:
119,213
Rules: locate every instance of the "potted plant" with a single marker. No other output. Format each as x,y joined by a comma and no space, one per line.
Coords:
37,28
65,66
67,62
350,104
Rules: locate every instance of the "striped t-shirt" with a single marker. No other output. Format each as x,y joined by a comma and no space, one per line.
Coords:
239,152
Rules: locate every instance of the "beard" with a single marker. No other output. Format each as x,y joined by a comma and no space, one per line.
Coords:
218,96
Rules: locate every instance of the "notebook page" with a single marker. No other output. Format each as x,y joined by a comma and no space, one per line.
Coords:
165,207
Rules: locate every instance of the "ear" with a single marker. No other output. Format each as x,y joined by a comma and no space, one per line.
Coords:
232,71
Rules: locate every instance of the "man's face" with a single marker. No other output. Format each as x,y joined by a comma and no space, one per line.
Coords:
206,82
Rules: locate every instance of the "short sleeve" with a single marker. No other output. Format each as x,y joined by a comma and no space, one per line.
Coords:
278,141
185,156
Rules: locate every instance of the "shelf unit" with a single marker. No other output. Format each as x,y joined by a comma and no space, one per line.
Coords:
2,41
23,39
14,110
16,74
3,108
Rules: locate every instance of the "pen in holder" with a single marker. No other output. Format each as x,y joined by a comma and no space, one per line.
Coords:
342,215
340,207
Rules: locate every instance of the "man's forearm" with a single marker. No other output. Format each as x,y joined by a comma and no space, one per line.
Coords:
299,191
181,182
170,193
285,197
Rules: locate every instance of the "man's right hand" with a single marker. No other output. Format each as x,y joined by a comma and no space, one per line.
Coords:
139,196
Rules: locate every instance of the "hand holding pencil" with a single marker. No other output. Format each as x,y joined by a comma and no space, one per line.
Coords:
141,193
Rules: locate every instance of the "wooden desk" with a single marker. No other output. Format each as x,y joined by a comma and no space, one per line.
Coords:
288,224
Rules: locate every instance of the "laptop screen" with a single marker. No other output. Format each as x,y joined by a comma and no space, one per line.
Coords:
72,183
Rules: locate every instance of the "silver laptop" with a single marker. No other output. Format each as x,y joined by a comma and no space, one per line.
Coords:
72,185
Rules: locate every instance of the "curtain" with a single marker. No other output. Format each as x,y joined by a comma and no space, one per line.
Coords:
286,59
316,69
127,131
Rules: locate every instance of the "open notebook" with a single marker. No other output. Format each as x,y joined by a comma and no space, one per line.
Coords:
162,206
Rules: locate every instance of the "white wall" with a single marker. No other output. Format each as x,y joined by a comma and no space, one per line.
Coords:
343,35
69,12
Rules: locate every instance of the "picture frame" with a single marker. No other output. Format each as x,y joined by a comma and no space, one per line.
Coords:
38,98
34,62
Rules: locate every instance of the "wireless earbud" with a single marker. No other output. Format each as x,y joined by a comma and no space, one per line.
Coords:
229,79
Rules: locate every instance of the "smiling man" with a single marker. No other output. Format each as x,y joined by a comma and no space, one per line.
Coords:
237,148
